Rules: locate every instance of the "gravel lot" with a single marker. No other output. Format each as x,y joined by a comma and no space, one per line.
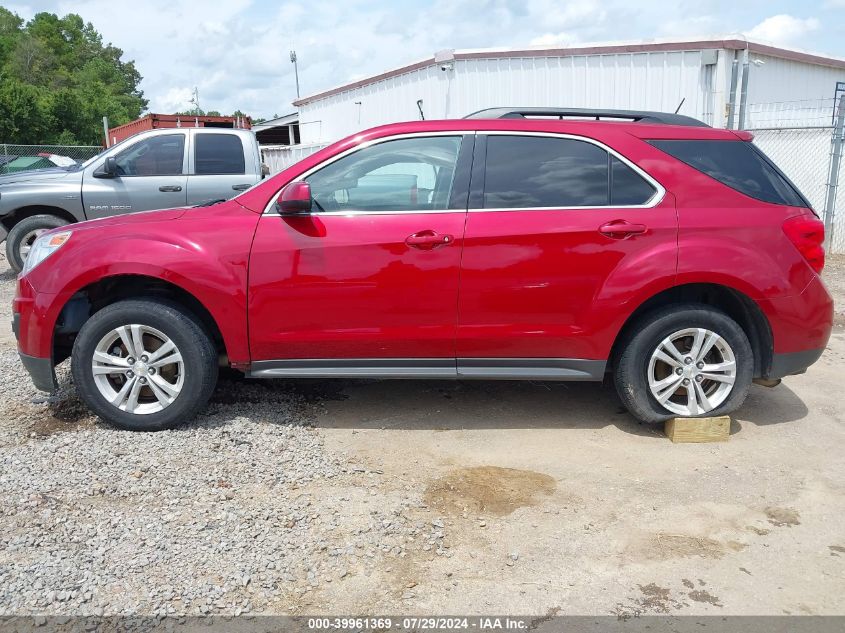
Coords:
422,497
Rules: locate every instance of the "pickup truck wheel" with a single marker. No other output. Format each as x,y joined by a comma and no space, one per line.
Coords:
24,233
144,365
684,361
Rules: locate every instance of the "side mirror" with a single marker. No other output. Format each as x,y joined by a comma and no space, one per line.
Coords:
295,199
108,169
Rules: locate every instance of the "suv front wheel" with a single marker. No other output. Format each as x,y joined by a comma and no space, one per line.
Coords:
144,365
684,361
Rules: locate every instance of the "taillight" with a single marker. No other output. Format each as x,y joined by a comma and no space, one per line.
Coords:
807,233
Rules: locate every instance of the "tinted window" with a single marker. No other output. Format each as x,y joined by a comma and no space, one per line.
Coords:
218,154
737,164
413,174
627,187
155,156
534,171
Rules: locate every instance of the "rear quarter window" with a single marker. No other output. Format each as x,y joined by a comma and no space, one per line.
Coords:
738,164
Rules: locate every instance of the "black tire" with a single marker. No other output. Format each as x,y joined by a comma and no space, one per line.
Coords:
24,228
193,342
631,370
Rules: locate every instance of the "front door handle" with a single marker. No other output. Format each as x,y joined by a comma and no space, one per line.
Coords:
240,187
167,188
428,239
620,229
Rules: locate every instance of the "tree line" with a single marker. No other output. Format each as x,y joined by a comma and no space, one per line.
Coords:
58,80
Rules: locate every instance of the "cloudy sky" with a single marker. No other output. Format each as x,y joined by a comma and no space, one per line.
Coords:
236,52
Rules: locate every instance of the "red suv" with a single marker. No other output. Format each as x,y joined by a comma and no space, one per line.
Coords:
513,244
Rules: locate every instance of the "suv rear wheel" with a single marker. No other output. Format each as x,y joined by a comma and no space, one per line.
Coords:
144,365
684,361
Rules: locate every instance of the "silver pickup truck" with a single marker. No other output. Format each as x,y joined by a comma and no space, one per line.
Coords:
158,169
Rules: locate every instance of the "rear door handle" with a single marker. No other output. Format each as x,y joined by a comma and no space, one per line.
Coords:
168,188
240,187
620,229
428,239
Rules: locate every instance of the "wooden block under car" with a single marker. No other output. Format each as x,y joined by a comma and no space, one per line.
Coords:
699,429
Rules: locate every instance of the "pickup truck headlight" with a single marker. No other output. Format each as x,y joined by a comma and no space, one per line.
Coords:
43,247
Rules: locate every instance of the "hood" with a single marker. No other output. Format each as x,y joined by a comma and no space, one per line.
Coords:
164,215
32,175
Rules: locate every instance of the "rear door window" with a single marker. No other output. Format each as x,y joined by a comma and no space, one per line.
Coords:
737,164
218,154
530,172
525,172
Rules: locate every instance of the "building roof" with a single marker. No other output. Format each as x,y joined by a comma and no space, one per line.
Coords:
285,119
736,42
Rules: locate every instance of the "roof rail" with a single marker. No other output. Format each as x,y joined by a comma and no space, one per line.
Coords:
639,116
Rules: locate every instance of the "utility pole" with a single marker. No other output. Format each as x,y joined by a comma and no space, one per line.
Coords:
106,130
833,175
195,99
295,71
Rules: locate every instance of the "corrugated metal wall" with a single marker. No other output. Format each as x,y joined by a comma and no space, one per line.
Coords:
780,91
784,93
651,81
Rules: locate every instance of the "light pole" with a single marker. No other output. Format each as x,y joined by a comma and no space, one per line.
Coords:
295,71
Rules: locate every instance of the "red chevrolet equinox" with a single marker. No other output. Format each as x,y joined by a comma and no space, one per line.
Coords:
546,244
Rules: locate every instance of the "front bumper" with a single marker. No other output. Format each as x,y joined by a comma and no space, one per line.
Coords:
41,371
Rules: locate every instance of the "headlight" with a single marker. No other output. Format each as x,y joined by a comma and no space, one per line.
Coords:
43,247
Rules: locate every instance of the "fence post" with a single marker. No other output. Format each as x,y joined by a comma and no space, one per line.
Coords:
833,175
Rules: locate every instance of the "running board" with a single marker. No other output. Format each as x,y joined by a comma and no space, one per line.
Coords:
437,368
531,368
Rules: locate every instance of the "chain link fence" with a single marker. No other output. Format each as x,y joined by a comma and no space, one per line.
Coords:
801,113
14,158
802,138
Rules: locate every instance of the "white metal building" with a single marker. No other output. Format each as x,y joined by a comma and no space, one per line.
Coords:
731,82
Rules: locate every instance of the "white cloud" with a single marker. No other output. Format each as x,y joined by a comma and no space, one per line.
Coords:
22,10
689,25
553,39
236,51
783,29
175,99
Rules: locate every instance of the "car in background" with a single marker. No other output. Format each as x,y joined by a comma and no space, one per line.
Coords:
10,164
152,170
670,258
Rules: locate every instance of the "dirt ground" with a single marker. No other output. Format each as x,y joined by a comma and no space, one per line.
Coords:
555,500
551,499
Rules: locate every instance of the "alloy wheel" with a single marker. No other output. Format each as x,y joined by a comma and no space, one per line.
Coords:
692,371
138,369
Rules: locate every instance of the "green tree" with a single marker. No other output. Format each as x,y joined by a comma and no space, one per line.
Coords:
58,80
24,116
10,29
